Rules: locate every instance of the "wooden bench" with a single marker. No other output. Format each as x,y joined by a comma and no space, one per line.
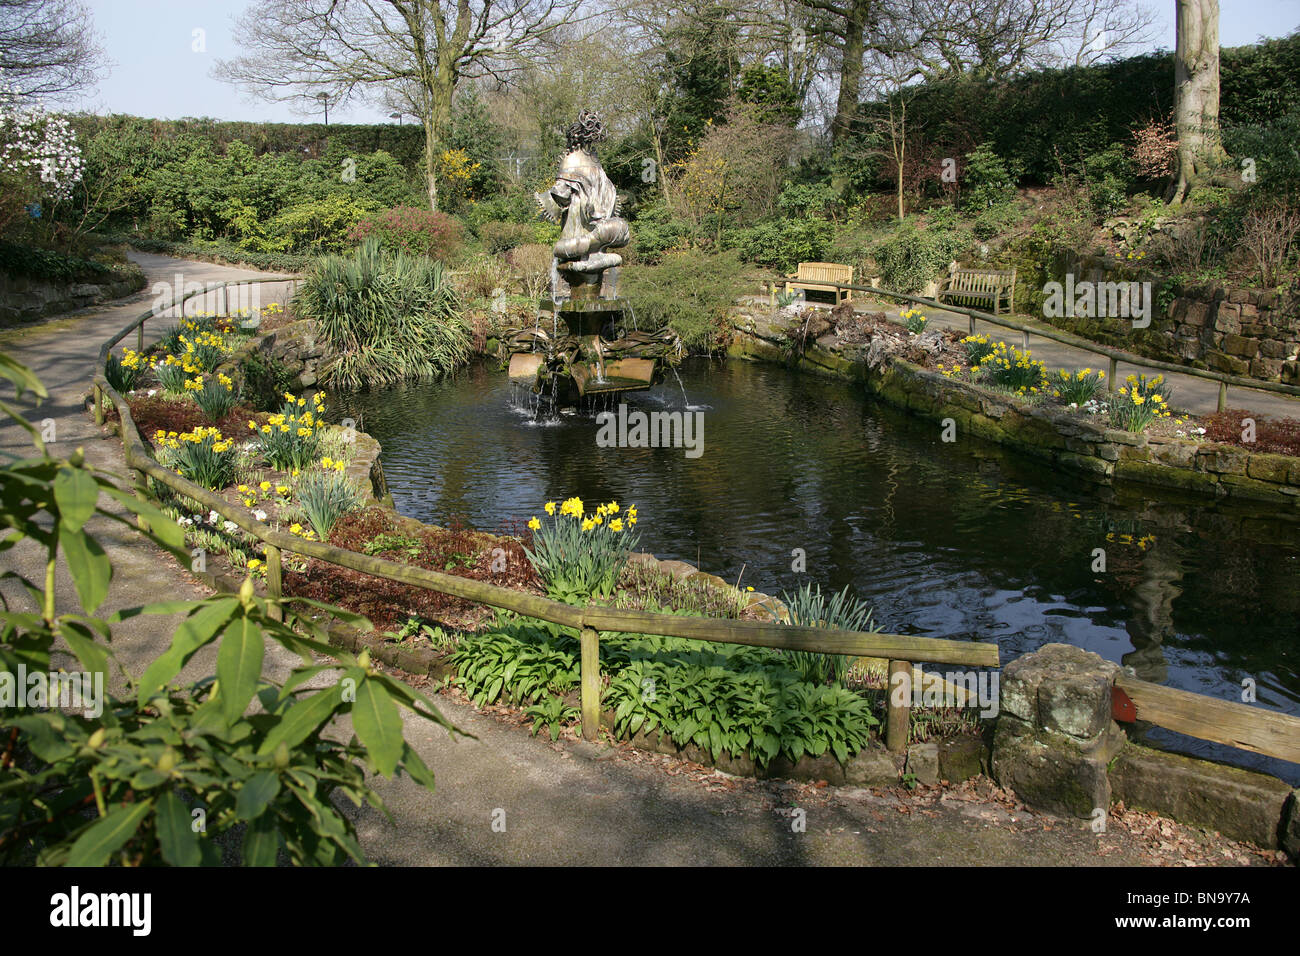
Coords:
815,276
979,286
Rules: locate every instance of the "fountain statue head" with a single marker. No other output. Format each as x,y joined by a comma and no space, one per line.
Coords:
584,203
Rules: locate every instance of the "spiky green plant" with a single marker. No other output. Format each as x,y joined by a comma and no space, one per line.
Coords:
326,496
810,608
385,317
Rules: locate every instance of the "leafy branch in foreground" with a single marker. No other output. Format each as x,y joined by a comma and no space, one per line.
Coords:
233,767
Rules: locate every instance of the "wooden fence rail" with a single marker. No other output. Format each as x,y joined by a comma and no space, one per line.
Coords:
588,621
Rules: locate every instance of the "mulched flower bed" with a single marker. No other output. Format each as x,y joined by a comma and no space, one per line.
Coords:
154,412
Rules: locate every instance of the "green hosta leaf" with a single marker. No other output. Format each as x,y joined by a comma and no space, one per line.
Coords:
379,725
75,492
102,839
195,631
176,837
239,666
88,565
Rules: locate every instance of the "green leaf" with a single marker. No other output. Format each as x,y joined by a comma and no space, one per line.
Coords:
301,720
176,837
75,492
195,631
239,666
258,791
379,725
89,565
261,842
94,847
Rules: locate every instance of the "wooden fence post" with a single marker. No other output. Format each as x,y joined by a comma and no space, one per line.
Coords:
139,338
590,683
972,325
98,396
1111,375
1223,395
274,584
898,714
140,484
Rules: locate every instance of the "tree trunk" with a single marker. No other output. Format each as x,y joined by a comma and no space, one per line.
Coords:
1196,94
846,105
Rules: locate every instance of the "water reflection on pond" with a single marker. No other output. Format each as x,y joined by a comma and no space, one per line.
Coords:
960,540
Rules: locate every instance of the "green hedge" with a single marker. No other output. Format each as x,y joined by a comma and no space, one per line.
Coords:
28,262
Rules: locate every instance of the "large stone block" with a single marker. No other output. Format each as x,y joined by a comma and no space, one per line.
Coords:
1061,689
1050,772
1240,804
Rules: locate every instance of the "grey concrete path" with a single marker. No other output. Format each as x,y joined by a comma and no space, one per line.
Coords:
574,803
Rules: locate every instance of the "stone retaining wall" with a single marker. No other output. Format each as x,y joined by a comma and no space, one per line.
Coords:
1064,438
24,299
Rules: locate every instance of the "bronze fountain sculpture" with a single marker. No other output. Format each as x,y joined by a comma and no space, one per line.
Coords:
588,348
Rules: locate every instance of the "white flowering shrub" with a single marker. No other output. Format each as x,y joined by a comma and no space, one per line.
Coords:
39,156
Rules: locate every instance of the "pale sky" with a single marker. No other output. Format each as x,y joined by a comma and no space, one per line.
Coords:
158,72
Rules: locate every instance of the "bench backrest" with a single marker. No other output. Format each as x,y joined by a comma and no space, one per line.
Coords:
825,272
981,280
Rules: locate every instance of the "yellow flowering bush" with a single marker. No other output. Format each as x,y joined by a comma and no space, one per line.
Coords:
579,555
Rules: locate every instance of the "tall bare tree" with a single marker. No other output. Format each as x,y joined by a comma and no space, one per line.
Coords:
1196,93
419,50
48,48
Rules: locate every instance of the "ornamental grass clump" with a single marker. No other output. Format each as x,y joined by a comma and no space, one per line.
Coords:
385,317
203,456
1139,402
326,496
809,608
580,556
291,439
1009,368
1076,388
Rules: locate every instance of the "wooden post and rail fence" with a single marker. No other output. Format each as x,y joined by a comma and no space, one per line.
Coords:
1250,728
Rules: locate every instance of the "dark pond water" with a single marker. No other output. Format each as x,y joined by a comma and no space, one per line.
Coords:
960,540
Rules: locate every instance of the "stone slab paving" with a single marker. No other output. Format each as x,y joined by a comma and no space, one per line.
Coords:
572,802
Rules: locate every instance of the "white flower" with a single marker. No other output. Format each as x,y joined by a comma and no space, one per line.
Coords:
152,392
259,514
213,518
230,526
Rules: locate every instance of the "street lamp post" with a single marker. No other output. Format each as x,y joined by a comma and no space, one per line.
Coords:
325,99
396,116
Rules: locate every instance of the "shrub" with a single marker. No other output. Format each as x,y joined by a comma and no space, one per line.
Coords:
532,263
1078,388
656,232
501,237
203,456
265,380
580,556
325,497
1108,174
385,317
912,257
319,225
691,293
483,276
291,439
1279,436
804,200
782,244
987,179
1139,402
1007,367
809,608
408,229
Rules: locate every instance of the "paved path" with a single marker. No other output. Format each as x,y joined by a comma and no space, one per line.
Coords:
572,802
1194,394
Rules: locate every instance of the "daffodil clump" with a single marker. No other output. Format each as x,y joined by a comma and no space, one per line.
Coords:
1008,367
205,350
291,439
174,372
579,555
1078,388
203,455
124,372
214,394
915,320
1140,402
977,348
